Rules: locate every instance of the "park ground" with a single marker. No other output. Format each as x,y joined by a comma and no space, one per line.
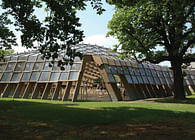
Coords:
151,119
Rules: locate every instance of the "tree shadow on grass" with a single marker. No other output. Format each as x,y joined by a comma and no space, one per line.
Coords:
188,100
51,120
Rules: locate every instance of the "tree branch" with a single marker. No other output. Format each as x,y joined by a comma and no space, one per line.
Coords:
188,60
185,48
157,60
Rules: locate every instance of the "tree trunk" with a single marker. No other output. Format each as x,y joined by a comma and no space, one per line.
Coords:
179,92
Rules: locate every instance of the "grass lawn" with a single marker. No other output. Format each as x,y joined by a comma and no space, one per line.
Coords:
151,119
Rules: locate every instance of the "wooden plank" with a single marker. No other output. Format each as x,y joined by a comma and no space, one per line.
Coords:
67,91
46,91
57,91
28,90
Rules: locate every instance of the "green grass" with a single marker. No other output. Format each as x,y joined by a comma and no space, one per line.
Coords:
45,119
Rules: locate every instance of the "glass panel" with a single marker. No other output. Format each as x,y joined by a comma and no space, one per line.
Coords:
76,67
46,67
16,76
38,66
134,79
125,69
54,76
148,72
32,58
26,76
108,69
73,75
11,66
145,80
128,77
151,80
40,57
20,66
142,72
14,58
77,59
131,71
55,66
44,76
157,80
6,76
136,71
2,67
29,66
34,76
64,76
114,69
22,58
139,78
120,70
111,78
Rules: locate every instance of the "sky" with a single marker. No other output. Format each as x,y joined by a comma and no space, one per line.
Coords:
93,25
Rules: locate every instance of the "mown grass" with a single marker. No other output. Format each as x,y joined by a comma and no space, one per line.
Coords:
44,119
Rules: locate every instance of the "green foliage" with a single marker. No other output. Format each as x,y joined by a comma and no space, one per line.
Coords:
58,31
5,53
142,26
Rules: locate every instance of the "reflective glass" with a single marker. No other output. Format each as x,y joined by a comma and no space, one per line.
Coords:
11,66
44,76
108,68
136,71
125,69
40,57
131,70
114,69
22,57
151,80
32,57
13,58
120,70
34,76
157,80
55,66
145,80
2,67
38,66
46,66
16,76
134,79
73,75
142,72
147,71
139,78
64,76
54,76
26,76
111,78
128,77
29,66
20,66
6,76
77,59
1,75
76,66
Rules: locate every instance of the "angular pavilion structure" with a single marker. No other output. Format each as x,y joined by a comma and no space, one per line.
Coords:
27,75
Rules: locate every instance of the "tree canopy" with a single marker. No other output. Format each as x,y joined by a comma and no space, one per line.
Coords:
142,27
58,31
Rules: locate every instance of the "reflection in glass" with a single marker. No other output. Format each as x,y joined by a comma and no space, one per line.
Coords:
22,58
134,79
111,78
131,70
55,66
44,76
139,78
64,76
38,66
14,58
73,75
29,66
108,68
16,76
34,76
11,66
26,76
6,76
2,67
47,67
54,76
32,57
76,67
19,66
128,77
145,80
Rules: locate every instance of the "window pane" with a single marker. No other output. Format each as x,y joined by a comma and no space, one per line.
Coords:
54,76
32,58
16,76
134,79
55,66
76,67
26,76
20,66
145,80
44,76
29,66
77,59
64,76
139,78
22,57
6,76
111,78
114,69
34,76
73,75
2,67
14,58
108,69
131,71
11,66
128,77
46,66
40,57
38,66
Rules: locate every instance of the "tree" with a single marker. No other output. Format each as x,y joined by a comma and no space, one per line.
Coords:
58,31
144,26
